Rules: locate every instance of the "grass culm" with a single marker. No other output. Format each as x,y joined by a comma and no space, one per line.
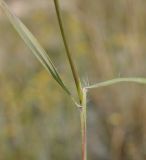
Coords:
48,64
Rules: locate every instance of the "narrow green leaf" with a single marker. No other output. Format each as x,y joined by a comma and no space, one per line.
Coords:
33,44
117,80
68,53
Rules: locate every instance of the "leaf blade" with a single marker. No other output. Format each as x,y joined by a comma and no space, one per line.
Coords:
139,80
34,45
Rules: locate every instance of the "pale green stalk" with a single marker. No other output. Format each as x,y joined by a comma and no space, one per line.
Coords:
80,91
83,116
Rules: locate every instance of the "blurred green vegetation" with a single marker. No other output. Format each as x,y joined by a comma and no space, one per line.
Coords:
37,120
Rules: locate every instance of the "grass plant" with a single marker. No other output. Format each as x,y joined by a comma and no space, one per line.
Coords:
46,61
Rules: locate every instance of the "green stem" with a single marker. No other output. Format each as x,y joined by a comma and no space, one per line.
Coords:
72,65
83,116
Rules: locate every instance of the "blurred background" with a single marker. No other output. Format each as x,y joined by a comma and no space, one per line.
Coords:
37,120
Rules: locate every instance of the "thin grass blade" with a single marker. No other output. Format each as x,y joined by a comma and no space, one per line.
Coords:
118,80
33,44
68,53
